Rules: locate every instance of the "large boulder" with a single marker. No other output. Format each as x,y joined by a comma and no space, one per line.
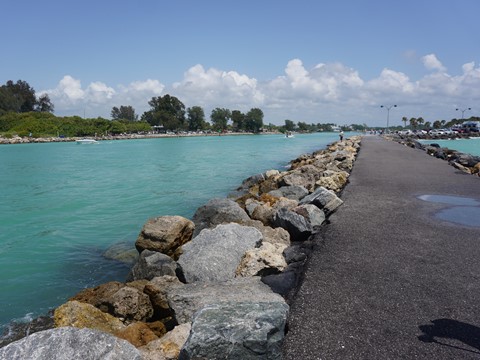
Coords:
290,192
323,198
187,299
82,315
168,347
297,226
214,254
69,343
271,235
237,331
138,334
216,212
165,234
312,214
156,289
152,264
131,304
267,259
99,296
333,180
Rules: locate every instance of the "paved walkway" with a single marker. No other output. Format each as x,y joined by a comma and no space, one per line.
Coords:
387,279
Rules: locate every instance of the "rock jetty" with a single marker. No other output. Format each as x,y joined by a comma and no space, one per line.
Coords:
467,163
213,287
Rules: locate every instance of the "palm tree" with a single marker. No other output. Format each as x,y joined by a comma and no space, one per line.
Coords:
420,121
413,123
404,119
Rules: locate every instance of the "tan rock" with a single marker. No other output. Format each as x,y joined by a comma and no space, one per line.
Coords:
138,334
131,304
83,315
99,296
266,259
168,347
271,235
165,234
333,180
156,290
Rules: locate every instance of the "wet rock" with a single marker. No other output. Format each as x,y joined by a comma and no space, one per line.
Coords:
165,234
123,252
214,254
237,331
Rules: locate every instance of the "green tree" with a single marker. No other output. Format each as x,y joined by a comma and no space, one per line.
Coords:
420,121
428,124
289,125
196,118
220,118
17,97
302,126
437,124
168,111
124,113
413,123
238,120
44,104
254,120
404,119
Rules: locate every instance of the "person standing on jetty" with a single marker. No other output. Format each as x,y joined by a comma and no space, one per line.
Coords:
341,135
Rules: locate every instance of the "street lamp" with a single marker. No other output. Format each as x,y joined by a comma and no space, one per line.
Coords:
388,113
463,111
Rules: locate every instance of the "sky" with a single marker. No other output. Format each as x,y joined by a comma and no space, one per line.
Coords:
314,61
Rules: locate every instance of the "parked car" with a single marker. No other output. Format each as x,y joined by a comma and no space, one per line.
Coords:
471,126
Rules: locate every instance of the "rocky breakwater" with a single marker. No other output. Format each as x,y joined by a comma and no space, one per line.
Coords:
467,163
213,287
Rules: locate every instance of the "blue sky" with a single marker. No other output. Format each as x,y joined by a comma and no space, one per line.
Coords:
313,61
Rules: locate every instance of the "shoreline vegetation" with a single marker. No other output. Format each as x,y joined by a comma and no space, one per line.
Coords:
39,140
239,259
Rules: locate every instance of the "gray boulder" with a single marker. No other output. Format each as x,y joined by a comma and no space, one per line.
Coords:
296,225
312,214
214,254
290,192
68,343
244,331
151,264
187,299
323,198
216,212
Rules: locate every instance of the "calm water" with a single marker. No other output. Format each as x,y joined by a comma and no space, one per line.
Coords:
468,146
63,204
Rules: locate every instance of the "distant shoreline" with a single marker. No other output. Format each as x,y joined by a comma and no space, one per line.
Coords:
32,140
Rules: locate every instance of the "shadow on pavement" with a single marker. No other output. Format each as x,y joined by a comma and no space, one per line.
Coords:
451,329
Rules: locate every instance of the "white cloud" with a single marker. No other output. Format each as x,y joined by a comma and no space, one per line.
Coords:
324,92
431,62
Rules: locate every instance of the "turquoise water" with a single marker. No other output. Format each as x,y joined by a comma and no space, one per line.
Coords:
467,146
63,204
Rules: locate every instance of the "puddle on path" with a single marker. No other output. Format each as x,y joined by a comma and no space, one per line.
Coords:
461,210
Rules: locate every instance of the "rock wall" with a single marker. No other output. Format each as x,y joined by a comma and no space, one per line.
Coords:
218,286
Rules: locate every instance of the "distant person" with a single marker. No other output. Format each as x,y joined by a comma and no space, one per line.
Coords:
341,135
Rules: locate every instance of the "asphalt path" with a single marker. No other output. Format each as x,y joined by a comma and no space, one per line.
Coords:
389,279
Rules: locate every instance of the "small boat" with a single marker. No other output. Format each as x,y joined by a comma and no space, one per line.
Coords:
289,135
87,141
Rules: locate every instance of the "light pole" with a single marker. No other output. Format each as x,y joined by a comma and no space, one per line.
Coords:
388,114
463,111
